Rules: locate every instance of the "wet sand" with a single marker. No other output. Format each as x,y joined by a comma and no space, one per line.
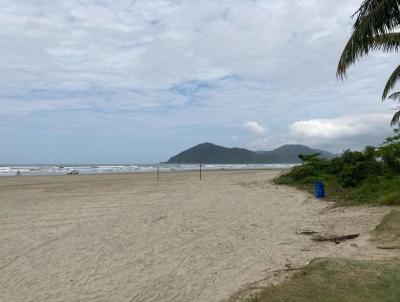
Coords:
131,238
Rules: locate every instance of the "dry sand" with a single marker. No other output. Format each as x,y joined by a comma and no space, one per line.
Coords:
129,238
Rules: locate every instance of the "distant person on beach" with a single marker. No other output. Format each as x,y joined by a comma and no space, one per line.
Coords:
18,173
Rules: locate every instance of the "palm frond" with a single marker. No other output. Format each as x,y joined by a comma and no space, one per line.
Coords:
386,42
376,17
395,96
373,18
395,119
394,77
358,47
374,29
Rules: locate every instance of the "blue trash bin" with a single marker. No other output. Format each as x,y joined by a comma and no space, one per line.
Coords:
319,190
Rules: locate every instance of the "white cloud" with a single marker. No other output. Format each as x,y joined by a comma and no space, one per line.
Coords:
195,68
255,128
335,134
342,127
345,132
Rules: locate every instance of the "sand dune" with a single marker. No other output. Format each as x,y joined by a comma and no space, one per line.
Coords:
129,238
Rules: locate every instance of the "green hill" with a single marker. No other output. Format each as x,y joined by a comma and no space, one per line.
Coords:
213,154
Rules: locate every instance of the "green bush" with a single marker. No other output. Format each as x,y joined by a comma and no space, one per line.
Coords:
371,176
353,174
300,172
390,152
390,199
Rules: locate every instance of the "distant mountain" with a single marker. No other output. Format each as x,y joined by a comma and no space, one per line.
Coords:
290,153
212,154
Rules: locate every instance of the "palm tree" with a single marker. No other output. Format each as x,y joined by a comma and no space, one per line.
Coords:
375,28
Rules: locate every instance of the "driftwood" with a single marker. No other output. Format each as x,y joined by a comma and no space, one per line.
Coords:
315,236
389,247
288,269
333,238
306,232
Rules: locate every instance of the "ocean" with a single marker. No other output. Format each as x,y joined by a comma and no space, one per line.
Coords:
10,170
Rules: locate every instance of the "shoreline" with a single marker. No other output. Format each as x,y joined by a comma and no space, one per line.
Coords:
154,172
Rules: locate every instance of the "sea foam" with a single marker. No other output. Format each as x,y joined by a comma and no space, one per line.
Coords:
129,168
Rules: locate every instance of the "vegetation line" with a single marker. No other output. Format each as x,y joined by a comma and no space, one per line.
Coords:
370,176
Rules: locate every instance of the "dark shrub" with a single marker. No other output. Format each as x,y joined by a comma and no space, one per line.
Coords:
371,176
299,173
353,167
351,175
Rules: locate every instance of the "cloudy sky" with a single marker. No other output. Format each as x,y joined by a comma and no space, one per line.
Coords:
139,80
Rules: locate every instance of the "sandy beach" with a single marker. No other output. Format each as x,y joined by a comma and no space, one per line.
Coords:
131,238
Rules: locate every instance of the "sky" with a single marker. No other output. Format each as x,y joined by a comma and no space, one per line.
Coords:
137,81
